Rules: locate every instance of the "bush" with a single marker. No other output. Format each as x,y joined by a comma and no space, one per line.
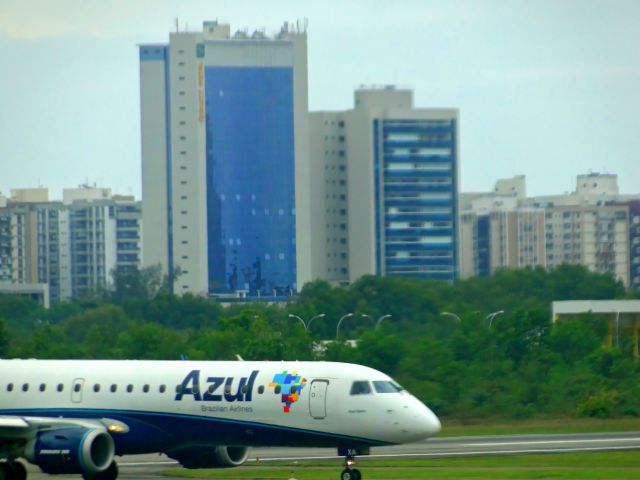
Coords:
601,405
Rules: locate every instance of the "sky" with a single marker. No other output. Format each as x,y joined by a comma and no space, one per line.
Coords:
548,89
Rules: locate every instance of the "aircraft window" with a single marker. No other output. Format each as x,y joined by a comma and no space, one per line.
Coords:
114,388
145,389
227,389
261,389
277,389
386,387
179,388
76,387
10,387
25,387
361,387
162,388
292,390
129,388
43,387
60,387
96,387
244,389
211,389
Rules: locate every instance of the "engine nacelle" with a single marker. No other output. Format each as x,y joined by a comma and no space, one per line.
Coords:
71,450
210,457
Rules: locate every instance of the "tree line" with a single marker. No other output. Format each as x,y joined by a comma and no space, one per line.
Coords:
483,347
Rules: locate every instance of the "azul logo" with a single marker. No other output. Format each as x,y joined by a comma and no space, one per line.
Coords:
290,385
217,388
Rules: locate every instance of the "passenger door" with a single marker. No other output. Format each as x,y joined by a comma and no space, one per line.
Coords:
76,390
318,398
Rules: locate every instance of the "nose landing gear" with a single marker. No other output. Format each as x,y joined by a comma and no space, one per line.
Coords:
350,473
349,454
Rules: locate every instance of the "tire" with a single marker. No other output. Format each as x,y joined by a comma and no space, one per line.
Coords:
356,474
347,474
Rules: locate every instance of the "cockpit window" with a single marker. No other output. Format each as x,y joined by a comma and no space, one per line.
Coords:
361,387
386,386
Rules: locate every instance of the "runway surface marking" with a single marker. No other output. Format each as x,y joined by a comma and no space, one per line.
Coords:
546,442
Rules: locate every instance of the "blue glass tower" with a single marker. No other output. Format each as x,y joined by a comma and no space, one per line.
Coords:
415,194
250,179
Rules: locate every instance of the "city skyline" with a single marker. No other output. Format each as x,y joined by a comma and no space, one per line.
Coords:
548,90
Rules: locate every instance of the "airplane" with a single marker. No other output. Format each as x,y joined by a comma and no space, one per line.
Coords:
75,416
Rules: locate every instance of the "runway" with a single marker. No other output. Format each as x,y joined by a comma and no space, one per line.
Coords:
148,466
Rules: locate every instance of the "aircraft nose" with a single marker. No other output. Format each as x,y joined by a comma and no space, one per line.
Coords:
430,423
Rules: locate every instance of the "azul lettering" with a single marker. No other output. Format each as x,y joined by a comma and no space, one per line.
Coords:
212,391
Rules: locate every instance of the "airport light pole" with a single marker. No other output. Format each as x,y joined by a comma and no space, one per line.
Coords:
340,323
305,324
493,315
291,315
320,315
449,314
380,319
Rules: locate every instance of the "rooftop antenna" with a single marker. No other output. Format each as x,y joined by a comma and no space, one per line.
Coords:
177,25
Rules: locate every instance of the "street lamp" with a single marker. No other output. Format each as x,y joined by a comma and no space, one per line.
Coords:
340,322
305,324
449,314
493,315
291,315
378,321
320,315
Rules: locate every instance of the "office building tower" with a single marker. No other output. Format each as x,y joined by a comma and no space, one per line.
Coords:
390,188
225,171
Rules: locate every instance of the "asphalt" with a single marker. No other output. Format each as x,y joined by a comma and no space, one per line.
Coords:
149,466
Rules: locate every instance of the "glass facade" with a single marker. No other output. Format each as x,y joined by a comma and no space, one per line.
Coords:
416,205
250,179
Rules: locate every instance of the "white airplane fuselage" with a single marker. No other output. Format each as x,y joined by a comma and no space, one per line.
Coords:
174,406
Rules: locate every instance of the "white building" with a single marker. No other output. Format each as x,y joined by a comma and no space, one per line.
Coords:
385,189
72,245
592,226
225,172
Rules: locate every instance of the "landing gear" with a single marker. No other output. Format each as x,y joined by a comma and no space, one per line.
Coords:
350,473
13,471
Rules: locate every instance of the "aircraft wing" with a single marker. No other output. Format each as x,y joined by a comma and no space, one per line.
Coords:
24,428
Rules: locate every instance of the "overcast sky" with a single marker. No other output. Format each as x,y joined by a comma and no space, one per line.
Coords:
546,88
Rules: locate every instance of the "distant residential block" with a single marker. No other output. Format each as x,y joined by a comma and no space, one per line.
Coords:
594,226
71,245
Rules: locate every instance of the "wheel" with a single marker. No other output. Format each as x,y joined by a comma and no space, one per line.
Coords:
356,474
17,471
4,471
347,474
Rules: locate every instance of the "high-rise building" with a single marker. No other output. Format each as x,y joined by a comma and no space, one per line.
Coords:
72,245
225,170
594,226
385,190
501,238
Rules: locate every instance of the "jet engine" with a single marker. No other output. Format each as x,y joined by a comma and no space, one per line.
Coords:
71,450
210,457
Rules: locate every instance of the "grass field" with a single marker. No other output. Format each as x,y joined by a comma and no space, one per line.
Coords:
604,466
548,426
